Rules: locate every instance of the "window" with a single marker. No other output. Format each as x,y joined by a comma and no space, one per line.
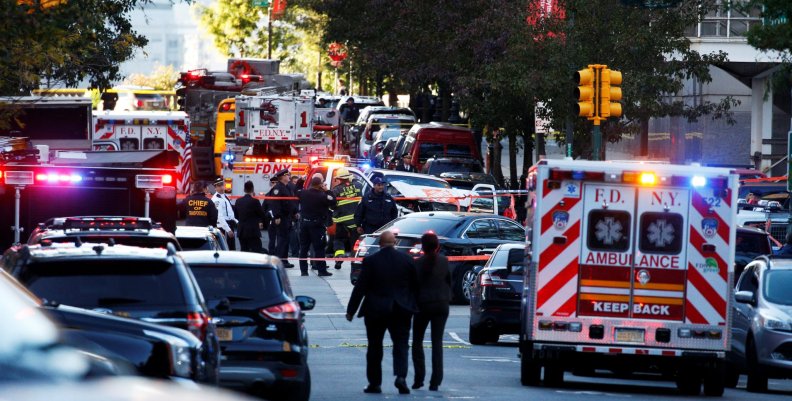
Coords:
608,230
458,150
511,231
661,233
777,286
427,150
420,225
748,281
517,260
482,228
197,244
238,284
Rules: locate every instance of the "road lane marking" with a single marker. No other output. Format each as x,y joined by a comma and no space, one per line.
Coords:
456,337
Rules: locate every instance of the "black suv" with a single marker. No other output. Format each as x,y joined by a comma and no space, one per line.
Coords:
260,323
153,285
125,230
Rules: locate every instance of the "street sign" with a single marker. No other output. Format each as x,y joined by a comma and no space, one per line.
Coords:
789,163
261,3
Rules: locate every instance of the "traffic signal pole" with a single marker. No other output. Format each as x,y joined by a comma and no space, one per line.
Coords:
598,95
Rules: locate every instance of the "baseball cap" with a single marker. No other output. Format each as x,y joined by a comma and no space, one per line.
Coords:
377,180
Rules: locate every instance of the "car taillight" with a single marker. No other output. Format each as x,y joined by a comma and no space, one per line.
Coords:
139,103
485,280
285,311
356,246
197,323
167,179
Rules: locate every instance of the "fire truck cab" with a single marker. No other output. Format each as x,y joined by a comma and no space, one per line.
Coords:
631,270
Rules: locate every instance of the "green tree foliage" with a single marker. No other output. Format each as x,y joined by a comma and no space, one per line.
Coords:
776,32
65,44
162,78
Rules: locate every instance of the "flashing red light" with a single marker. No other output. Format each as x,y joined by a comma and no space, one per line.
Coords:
195,73
139,103
225,107
314,158
167,179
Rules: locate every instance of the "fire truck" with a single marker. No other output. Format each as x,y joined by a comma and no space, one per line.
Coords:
35,187
631,270
145,130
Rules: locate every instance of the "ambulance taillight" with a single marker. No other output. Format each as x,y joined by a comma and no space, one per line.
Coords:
167,179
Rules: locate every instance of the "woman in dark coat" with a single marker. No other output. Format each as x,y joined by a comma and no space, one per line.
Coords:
434,297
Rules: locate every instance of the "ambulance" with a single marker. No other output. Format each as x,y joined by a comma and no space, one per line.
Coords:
631,270
146,130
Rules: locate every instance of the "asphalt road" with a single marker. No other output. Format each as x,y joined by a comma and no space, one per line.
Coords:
338,348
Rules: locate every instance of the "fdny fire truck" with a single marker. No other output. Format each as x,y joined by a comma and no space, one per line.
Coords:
631,270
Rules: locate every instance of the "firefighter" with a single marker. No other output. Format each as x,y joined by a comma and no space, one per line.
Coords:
198,208
376,209
315,204
344,214
282,214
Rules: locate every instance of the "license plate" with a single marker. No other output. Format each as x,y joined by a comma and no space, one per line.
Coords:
224,334
624,335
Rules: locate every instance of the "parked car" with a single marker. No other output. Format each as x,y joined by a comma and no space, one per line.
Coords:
260,323
194,238
762,322
751,242
153,285
124,230
441,140
382,121
460,234
495,294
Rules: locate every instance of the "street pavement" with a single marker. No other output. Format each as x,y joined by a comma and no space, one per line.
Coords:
491,372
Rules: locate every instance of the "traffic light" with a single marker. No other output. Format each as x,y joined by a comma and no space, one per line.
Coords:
181,98
610,93
585,93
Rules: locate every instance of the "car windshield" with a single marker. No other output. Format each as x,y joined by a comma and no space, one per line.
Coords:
416,180
778,286
457,150
419,225
238,283
387,134
439,167
196,244
105,283
485,204
427,150
752,245
499,259
149,96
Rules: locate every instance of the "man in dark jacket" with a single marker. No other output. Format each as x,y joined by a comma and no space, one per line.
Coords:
405,164
376,209
250,215
315,204
386,288
199,209
282,214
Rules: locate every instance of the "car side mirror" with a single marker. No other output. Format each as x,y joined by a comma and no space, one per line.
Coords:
745,297
306,302
477,269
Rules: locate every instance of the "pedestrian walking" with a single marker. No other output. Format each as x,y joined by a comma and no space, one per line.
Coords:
386,288
434,298
283,211
251,216
225,213
315,204
348,197
198,208
376,209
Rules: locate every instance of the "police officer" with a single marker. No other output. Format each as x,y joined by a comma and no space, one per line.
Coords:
198,208
315,204
376,209
272,232
344,214
226,219
282,214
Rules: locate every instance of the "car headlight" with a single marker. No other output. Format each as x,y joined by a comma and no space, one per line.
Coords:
180,353
775,323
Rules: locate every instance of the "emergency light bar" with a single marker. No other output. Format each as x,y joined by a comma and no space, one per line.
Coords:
645,178
18,177
107,223
54,178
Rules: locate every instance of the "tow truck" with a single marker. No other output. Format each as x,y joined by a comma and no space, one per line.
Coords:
631,271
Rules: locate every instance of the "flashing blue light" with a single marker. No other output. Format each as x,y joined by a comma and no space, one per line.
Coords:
365,166
698,181
75,178
228,157
578,175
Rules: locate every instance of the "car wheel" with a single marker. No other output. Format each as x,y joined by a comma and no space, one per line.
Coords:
468,282
553,375
688,382
478,335
757,379
714,381
530,368
732,377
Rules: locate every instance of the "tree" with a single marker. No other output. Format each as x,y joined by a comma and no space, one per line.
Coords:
162,78
776,32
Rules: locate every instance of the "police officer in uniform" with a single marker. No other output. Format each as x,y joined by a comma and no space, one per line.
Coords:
226,218
198,208
269,225
282,214
376,209
315,204
344,214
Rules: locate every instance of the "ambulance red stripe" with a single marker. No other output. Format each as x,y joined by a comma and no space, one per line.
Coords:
703,209
703,286
560,280
547,219
552,251
569,307
693,315
176,137
107,135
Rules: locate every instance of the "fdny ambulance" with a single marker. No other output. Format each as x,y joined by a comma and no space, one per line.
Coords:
631,270
146,130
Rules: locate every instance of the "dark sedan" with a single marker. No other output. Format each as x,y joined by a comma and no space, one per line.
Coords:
260,323
461,234
496,295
